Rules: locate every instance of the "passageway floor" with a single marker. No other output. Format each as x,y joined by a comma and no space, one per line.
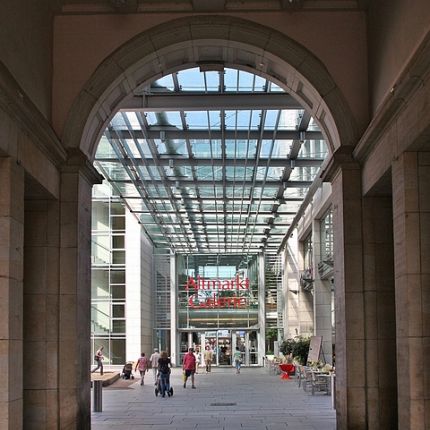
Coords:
252,400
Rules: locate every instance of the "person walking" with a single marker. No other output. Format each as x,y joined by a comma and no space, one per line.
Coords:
198,356
237,357
154,363
164,366
189,367
142,364
98,358
208,358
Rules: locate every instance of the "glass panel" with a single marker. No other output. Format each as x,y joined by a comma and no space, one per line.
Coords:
117,276
164,83
191,80
118,351
100,249
118,257
118,311
99,284
100,216
118,326
118,242
118,292
118,223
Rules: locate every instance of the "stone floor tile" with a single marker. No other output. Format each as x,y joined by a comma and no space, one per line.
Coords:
253,400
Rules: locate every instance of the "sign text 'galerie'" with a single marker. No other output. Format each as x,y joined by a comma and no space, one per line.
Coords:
217,299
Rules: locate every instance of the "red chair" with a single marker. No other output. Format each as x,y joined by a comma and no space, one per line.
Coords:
286,369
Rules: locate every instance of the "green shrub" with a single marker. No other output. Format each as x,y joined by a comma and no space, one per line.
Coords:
297,347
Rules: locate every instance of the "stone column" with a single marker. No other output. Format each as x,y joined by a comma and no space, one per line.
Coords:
11,292
380,323
348,274
322,298
77,178
291,288
411,214
41,301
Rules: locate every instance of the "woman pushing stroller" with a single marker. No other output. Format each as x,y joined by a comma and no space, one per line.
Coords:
164,366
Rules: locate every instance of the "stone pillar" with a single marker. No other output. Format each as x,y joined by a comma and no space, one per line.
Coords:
11,292
41,304
380,323
77,177
348,274
291,289
322,298
411,214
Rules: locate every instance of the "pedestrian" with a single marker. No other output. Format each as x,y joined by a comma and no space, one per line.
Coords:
208,358
189,367
164,366
198,356
98,358
154,363
142,364
237,356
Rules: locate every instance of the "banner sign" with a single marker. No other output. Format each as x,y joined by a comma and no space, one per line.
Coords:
217,293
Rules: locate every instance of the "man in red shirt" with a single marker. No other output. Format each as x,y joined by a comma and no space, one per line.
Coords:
189,367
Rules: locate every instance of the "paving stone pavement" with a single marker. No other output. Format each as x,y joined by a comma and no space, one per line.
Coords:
261,402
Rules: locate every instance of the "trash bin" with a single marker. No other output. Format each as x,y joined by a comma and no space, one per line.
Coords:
97,393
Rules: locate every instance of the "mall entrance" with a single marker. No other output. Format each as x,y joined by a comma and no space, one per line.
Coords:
222,343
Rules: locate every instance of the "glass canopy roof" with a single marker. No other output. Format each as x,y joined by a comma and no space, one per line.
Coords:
212,161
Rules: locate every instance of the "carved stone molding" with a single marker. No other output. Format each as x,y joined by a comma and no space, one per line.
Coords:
25,114
414,78
76,162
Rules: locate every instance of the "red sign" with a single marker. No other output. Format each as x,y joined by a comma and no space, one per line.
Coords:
217,284
216,300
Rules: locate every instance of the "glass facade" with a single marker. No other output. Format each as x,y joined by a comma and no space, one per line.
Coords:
162,313
108,275
216,291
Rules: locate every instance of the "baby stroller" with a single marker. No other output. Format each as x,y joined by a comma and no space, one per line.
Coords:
158,386
127,371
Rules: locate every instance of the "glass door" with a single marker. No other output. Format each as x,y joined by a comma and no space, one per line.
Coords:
211,343
224,348
239,343
253,347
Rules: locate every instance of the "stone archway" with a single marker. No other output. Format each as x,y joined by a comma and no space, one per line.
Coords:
190,41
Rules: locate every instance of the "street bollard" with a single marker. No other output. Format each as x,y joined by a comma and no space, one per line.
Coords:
97,399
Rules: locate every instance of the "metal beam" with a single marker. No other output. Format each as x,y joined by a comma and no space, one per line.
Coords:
219,213
171,181
158,132
212,223
207,101
175,161
281,200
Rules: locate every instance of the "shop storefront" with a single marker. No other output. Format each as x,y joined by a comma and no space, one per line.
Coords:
218,307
